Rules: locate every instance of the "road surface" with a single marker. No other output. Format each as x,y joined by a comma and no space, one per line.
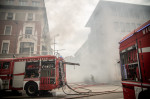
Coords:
80,91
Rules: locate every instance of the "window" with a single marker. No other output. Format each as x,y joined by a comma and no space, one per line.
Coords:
30,16
6,65
22,2
9,2
5,47
28,30
10,16
35,3
7,30
26,47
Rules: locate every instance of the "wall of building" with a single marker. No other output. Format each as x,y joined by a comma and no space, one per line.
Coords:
109,22
39,3
29,14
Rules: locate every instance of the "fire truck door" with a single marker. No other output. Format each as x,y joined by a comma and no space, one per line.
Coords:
18,74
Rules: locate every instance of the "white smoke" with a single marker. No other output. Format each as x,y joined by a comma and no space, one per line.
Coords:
67,19
101,60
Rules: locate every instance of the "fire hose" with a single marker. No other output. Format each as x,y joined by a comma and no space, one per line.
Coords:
90,93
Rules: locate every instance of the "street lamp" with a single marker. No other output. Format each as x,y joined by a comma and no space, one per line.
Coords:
55,42
54,45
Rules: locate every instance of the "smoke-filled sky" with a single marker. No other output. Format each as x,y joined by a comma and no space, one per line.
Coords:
67,19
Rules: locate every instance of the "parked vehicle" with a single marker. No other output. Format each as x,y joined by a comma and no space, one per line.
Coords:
135,63
33,74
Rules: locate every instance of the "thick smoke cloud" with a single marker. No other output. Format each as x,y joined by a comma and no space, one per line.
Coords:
67,19
100,62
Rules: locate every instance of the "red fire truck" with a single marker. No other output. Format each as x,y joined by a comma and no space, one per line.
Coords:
135,63
33,74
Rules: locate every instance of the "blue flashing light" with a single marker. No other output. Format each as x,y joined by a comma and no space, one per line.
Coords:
143,27
126,38
136,31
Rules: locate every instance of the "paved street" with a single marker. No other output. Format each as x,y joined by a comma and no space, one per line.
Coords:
87,91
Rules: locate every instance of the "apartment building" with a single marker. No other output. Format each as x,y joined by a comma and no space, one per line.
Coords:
109,22
23,28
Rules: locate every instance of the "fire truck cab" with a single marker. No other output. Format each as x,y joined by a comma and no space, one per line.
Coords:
135,63
32,74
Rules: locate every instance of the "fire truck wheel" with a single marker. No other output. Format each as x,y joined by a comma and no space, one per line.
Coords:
31,89
144,95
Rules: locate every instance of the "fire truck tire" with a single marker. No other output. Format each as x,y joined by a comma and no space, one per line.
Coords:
144,95
31,89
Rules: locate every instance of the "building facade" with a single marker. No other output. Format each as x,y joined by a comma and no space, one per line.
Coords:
23,28
109,22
